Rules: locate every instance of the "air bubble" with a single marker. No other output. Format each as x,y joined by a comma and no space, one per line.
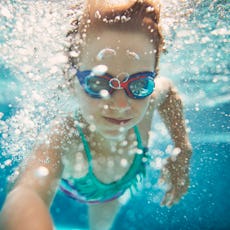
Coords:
8,162
215,80
158,163
117,18
104,94
97,14
124,163
105,20
74,54
99,70
125,19
176,152
17,132
149,9
41,171
124,143
6,13
121,129
139,151
92,128
4,135
106,107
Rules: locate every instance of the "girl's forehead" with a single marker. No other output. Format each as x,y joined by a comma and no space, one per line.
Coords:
120,52
109,43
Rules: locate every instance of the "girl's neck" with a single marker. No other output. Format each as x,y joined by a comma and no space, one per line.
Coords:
107,146
94,136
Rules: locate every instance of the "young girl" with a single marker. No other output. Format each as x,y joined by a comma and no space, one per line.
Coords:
98,153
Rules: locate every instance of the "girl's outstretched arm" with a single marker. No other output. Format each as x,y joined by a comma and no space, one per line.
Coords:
24,209
27,205
176,171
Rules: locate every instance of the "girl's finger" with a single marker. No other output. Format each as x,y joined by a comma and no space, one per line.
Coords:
171,199
168,197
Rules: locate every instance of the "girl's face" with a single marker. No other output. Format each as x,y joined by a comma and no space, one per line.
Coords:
121,53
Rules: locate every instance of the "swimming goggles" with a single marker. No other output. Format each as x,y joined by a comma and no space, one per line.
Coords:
136,86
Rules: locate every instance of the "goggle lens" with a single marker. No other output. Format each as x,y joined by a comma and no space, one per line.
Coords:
97,84
142,87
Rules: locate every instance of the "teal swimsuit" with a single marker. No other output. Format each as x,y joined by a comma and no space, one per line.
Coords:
89,189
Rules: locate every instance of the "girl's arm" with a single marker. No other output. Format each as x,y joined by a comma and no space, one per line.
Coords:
171,110
24,209
175,172
27,205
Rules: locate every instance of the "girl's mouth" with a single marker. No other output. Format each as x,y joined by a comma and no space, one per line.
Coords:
117,121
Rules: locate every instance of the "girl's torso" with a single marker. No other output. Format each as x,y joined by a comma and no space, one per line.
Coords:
111,166
110,161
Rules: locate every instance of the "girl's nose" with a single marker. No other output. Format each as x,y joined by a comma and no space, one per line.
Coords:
120,101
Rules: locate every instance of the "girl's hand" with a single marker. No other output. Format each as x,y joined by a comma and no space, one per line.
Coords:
175,175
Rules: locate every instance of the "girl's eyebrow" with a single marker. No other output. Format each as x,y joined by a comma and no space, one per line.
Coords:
107,52
133,54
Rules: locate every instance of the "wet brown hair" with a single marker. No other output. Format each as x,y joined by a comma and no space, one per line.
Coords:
136,15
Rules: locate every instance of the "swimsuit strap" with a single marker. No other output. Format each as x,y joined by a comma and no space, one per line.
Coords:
86,146
139,141
138,136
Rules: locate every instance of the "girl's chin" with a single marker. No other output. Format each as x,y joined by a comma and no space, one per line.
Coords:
118,134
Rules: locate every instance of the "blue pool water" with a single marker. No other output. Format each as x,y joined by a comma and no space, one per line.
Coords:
198,63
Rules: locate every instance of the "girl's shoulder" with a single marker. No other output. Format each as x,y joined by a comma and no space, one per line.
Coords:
61,126
63,130
162,86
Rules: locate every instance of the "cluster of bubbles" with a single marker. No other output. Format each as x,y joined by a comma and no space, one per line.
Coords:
31,45
32,41
198,55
